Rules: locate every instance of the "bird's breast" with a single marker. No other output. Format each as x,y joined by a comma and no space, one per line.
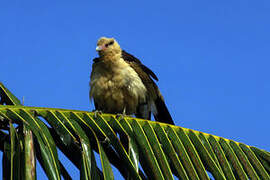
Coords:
117,88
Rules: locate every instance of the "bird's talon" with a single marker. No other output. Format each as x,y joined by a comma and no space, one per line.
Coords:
96,113
120,116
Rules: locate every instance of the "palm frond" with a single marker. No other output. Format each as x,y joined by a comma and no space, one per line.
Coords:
139,149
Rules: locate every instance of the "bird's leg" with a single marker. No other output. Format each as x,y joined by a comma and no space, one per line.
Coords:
124,111
121,116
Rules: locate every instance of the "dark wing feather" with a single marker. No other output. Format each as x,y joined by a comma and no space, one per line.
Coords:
144,110
95,60
130,58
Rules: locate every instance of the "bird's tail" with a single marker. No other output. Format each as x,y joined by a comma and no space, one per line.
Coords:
162,113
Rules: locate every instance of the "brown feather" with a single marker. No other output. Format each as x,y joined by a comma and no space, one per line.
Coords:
120,82
153,92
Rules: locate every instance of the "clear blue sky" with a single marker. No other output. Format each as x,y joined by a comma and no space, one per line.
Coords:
212,57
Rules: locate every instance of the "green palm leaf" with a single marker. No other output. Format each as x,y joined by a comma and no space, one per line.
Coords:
139,149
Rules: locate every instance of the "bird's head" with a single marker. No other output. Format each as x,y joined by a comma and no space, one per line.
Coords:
106,46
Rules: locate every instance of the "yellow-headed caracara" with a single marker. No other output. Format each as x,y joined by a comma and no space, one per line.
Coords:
120,83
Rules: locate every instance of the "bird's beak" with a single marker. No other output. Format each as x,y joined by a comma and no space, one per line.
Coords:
99,48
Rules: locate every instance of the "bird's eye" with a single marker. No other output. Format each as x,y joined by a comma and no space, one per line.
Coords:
108,44
111,43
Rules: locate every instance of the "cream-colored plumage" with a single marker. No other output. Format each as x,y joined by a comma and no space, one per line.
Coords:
115,86
120,83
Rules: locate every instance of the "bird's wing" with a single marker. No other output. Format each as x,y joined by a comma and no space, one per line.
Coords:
95,66
130,58
144,73
95,60
155,100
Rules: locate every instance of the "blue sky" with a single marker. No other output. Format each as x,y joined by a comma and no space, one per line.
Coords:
211,57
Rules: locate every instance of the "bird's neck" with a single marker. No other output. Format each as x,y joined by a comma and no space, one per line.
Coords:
113,62
110,54
110,57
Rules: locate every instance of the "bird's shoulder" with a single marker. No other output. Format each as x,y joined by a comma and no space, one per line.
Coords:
97,67
137,65
96,60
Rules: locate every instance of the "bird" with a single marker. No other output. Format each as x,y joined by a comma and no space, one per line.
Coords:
121,84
